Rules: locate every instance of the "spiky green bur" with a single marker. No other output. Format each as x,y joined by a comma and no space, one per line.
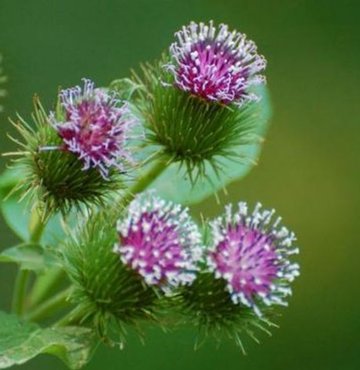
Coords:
189,129
207,305
111,296
55,178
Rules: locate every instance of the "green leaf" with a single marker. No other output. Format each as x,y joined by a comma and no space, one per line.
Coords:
174,183
16,216
16,213
29,257
21,341
8,179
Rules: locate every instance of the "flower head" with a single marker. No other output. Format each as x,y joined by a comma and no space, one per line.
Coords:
159,241
252,256
215,63
94,127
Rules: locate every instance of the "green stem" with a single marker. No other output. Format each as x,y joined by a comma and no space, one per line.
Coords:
50,306
18,303
36,228
44,284
74,317
144,181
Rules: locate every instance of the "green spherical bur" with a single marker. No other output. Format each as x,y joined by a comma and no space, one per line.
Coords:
112,296
55,177
207,305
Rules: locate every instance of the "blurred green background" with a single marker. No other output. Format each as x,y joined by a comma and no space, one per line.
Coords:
309,169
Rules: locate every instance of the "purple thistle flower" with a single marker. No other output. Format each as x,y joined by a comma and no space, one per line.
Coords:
252,256
94,128
215,63
159,240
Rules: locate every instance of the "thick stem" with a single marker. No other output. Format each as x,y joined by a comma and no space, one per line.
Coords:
36,228
50,306
45,284
74,317
144,181
18,302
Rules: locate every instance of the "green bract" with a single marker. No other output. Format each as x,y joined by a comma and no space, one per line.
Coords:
207,305
55,178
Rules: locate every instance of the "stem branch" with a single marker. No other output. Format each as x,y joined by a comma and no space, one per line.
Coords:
74,317
37,226
45,284
50,306
144,181
18,302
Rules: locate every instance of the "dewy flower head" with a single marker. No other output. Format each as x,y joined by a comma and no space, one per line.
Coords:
94,127
159,240
252,256
216,64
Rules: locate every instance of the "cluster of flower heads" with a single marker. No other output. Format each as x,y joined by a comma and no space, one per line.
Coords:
94,127
252,255
159,240
215,63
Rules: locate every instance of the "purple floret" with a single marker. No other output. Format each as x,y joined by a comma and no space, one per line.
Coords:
252,256
216,64
94,128
159,240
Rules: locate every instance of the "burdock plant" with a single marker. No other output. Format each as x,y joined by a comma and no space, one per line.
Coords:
99,191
